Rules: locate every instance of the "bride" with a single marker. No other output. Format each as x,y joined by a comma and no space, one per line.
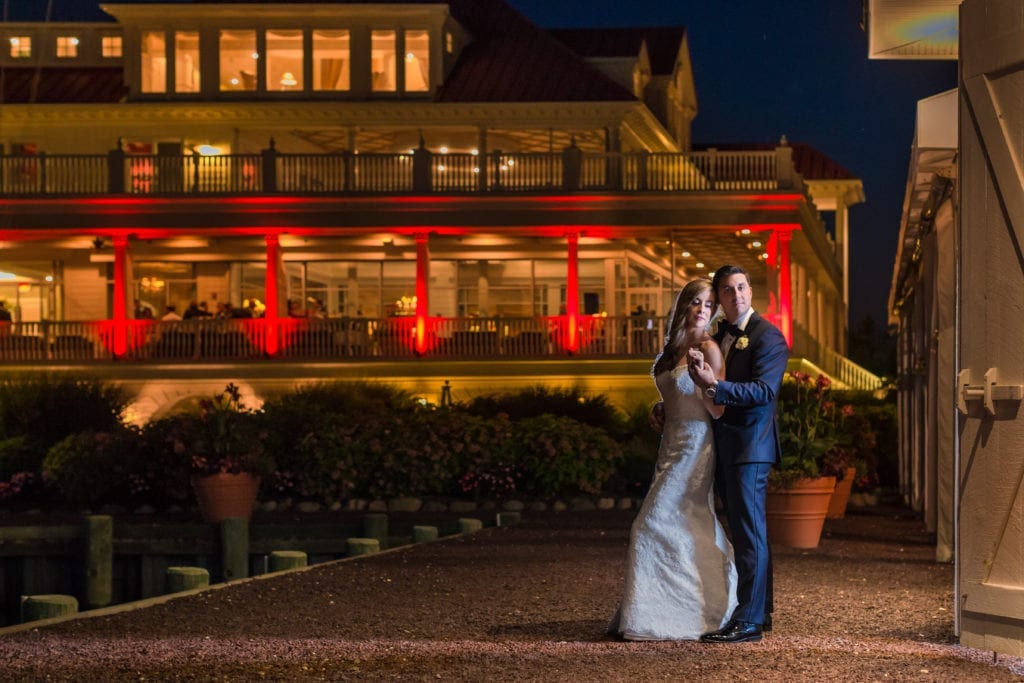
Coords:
681,579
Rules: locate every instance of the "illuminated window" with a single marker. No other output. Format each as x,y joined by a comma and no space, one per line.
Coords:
67,46
284,60
154,62
21,46
331,60
110,46
417,61
382,60
186,61
238,58
449,42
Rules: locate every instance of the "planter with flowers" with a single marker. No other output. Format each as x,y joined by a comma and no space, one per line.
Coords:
224,444
799,493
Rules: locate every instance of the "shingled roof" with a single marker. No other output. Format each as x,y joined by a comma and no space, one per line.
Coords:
23,85
511,59
662,43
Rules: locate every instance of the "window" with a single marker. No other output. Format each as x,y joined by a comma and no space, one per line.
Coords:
21,46
154,62
331,60
110,47
238,58
449,42
67,46
186,61
417,61
284,60
382,61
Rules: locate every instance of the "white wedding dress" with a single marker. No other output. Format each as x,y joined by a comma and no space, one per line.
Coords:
680,579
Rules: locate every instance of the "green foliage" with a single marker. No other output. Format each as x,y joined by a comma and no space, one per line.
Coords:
811,427
541,400
43,409
90,467
562,456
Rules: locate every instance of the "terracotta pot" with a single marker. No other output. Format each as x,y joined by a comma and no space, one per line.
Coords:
841,496
796,514
226,495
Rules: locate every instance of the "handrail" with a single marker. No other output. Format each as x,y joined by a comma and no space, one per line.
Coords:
833,364
209,339
421,170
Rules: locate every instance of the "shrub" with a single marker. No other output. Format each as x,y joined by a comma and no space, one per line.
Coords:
95,467
561,456
539,400
44,409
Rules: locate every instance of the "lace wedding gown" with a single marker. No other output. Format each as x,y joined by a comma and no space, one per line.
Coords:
680,579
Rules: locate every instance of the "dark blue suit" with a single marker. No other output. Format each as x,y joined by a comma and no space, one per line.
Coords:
747,445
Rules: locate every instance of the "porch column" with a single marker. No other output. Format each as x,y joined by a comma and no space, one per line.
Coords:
785,235
422,279
120,346
270,294
572,293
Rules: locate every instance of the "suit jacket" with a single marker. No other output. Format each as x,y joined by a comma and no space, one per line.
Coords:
748,430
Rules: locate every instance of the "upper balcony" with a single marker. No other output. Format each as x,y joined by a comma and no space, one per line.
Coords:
417,171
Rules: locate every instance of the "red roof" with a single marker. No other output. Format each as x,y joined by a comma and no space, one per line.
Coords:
510,59
662,43
808,161
22,85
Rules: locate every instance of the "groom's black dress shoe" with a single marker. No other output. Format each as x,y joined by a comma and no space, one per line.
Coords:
735,632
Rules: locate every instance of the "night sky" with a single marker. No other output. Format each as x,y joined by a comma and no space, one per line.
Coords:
764,68
800,68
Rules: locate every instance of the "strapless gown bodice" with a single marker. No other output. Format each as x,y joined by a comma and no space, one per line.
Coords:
680,577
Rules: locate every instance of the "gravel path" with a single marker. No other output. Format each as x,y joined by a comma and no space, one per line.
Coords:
529,603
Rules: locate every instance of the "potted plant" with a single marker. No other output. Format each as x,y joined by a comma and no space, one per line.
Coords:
809,429
224,444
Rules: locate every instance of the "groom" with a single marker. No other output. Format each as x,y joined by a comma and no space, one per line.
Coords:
747,444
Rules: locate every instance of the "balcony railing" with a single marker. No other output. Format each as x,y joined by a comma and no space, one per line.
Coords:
420,171
332,339
833,364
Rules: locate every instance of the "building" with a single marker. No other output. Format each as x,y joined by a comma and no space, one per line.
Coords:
386,186
955,297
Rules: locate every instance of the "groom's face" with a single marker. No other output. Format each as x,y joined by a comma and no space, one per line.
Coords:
734,295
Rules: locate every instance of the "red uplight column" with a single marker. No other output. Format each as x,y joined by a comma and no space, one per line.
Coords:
422,304
572,294
120,345
271,345
784,236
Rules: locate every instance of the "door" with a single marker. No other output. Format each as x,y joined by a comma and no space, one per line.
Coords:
990,302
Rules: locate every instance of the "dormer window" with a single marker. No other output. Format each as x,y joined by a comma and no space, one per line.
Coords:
383,66
238,60
67,47
21,46
186,61
154,62
284,60
111,47
417,61
332,60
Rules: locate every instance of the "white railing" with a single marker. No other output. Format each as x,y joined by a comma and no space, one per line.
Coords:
419,171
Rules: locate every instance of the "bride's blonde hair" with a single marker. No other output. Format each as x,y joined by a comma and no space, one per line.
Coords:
670,352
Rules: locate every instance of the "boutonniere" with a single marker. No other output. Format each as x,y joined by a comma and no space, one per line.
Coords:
742,343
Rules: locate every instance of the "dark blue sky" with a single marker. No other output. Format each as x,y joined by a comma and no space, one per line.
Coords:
800,68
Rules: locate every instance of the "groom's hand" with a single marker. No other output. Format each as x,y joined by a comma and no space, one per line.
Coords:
657,417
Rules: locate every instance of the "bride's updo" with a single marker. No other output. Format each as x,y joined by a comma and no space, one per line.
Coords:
672,350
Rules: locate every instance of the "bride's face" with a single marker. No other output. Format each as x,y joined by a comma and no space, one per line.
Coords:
700,310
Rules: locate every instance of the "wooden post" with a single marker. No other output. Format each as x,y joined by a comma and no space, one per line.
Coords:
234,533
99,560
